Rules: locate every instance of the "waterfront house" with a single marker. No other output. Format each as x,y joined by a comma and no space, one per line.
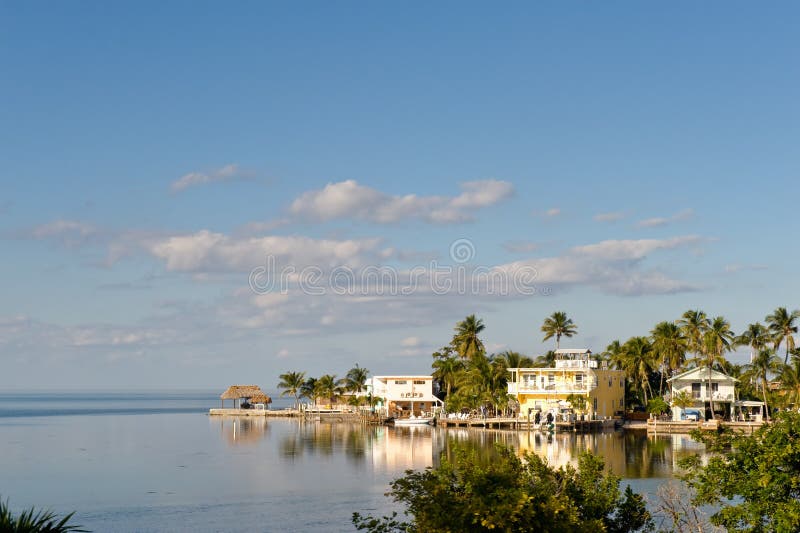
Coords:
403,395
575,372
695,383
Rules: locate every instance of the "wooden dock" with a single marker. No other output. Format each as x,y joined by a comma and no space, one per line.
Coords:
254,412
523,423
684,427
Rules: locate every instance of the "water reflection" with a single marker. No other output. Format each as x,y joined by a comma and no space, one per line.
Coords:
243,429
630,455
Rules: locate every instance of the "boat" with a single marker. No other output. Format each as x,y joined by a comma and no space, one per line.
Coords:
414,421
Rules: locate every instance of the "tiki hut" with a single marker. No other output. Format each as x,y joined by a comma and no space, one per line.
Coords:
237,393
261,398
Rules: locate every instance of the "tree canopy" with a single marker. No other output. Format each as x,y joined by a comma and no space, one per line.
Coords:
511,495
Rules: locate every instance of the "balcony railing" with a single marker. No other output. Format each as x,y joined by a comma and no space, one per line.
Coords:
560,387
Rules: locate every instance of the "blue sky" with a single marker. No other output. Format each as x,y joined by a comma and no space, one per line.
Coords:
640,158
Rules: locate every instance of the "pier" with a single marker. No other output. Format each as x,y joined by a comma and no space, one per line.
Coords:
524,423
684,427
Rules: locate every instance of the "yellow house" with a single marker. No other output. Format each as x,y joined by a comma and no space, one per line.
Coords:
575,372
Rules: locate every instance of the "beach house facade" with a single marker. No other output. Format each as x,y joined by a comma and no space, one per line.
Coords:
576,373
403,395
694,383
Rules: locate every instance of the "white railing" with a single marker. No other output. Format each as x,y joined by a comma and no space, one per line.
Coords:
558,388
572,363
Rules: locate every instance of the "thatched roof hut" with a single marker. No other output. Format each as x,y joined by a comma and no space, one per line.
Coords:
238,392
261,398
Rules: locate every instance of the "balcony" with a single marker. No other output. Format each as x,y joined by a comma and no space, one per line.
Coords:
551,388
572,363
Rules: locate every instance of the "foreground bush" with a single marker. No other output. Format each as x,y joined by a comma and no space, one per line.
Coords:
754,481
511,495
33,521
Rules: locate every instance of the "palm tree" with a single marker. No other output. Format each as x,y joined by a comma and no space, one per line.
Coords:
309,390
669,345
328,387
717,340
782,324
547,360
446,371
291,384
756,336
512,359
764,363
33,520
466,340
615,355
790,380
638,362
356,379
558,325
693,324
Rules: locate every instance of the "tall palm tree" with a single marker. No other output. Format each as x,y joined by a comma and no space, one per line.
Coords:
356,379
764,363
558,325
466,340
717,340
639,362
291,384
694,324
783,324
756,336
309,390
669,346
446,371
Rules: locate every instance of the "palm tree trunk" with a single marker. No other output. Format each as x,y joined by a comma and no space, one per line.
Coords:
710,395
764,393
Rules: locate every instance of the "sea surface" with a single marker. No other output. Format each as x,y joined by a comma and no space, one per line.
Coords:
150,461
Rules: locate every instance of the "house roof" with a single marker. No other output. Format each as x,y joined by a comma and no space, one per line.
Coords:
235,392
702,373
572,351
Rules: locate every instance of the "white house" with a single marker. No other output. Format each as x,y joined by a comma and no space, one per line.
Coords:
695,383
403,395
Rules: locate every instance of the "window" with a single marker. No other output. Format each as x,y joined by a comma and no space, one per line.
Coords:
400,382
715,387
696,390
419,382
609,382
594,403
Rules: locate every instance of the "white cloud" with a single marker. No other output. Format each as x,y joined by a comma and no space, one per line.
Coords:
349,199
663,221
229,172
552,212
410,342
609,217
205,251
614,266
737,267
68,232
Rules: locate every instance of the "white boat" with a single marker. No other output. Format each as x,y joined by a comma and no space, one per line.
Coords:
413,421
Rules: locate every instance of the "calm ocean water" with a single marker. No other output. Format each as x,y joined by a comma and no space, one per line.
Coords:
157,462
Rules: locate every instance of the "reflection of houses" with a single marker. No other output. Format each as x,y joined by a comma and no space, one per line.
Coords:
403,394
694,382
575,372
400,448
